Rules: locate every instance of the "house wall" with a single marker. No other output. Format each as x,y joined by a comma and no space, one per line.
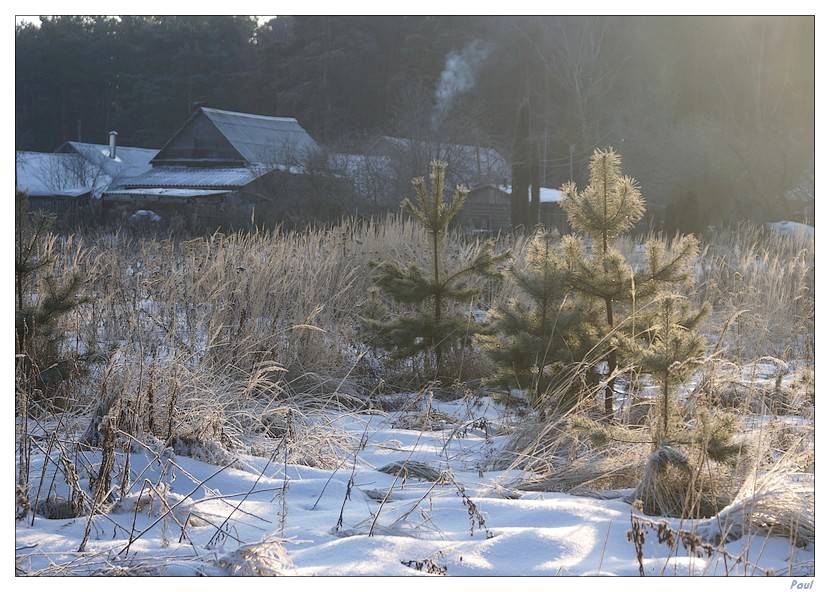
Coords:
196,214
486,208
68,210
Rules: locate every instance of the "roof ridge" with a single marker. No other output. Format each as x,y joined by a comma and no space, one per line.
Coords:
120,147
442,143
250,115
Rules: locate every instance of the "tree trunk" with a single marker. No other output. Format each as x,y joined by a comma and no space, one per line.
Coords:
612,364
437,304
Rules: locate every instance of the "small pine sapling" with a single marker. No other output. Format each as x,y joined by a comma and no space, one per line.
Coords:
40,301
668,349
438,323
608,207
533,340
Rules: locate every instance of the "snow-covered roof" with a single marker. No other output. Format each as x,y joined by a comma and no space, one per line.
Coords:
194,177
128,161
45,174
259,137
550,195
77,168
546,194
165,192
488,160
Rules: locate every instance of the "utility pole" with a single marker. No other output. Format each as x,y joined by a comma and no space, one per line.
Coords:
572,150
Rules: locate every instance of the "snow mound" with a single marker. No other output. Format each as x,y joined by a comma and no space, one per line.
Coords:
790,228
145,216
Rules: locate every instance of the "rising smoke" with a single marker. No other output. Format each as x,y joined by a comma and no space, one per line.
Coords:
459,76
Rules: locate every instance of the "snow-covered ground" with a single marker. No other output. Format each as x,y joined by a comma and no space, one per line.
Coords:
449,515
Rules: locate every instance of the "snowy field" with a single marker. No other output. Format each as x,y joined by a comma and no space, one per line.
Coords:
444,514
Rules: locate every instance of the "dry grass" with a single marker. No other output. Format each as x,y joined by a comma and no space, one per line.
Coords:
767,282
241,342
212,346
267,308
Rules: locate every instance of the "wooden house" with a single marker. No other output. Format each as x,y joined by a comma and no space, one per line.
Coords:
487,209
220,169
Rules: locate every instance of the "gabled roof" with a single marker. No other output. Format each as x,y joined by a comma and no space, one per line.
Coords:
128,161
259,139
257,136
485,159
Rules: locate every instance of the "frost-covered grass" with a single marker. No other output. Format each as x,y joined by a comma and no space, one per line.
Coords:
244,426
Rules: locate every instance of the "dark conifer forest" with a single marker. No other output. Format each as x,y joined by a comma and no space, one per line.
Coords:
720,109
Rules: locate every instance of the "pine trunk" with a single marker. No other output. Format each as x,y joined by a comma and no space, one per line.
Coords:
437,304
612,363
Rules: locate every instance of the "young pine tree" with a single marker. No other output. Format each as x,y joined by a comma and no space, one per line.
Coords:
439,297
535,340
668,348
608,207
40,302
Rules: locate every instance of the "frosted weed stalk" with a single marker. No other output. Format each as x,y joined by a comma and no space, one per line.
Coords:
771,278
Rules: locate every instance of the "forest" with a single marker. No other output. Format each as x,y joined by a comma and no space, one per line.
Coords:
720,109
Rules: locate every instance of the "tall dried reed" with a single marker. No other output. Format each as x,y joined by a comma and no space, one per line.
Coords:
766,281
220,338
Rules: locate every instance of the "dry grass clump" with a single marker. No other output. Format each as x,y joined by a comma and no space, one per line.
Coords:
556,457
590,474
674,485
210,415
131,570
267,558
779,501
430,420
766,386
96,567
536,446
410,469
766,281
767,485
